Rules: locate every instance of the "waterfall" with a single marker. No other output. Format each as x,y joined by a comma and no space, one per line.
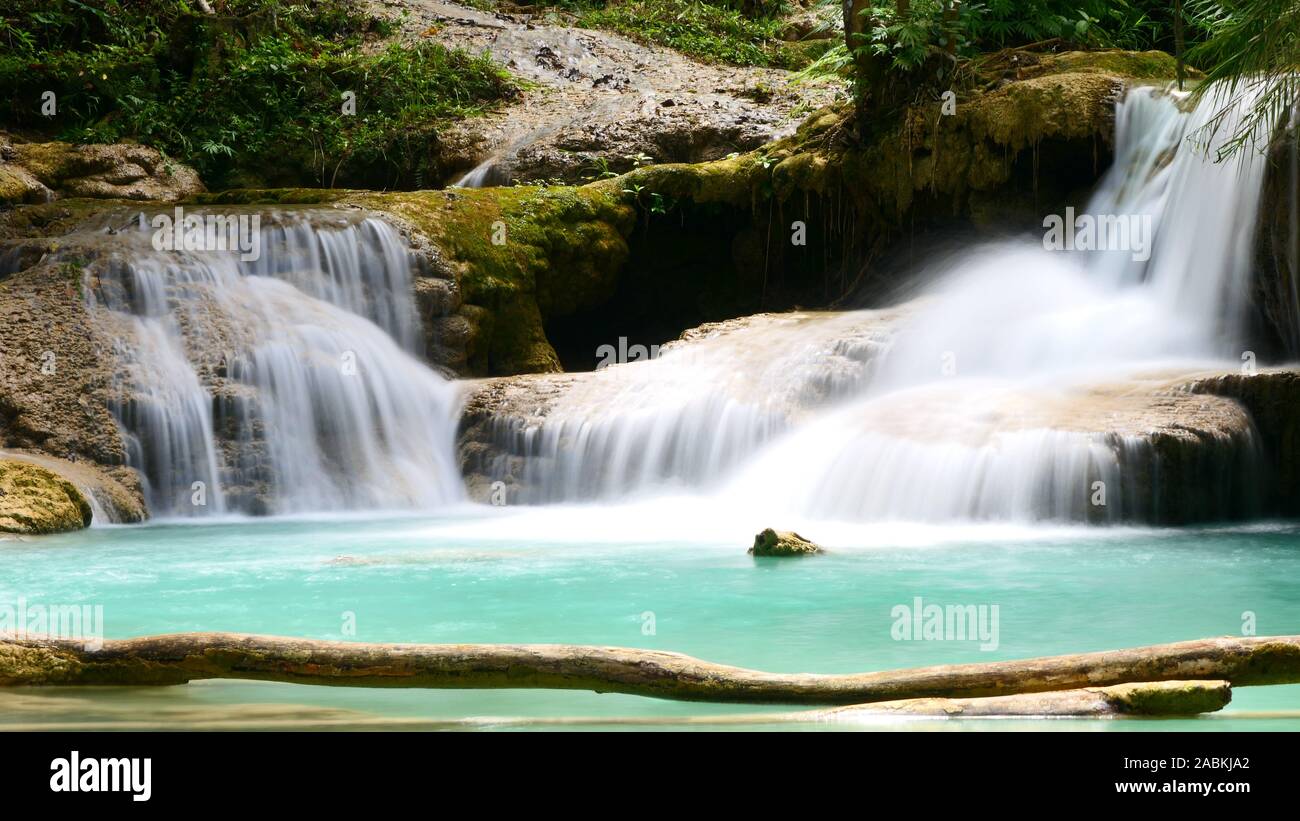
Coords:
1012,389
284,382
694,412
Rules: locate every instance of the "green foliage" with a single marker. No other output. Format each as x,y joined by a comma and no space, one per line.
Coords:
910,39
701,30
739,32
1251,55
259,94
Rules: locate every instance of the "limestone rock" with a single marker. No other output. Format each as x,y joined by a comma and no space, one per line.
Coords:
34,500
600,102
40,172
782,543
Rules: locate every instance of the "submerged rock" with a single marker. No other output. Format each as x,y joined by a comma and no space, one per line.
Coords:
782,543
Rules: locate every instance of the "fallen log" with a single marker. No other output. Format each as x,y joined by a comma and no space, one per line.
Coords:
1156,698
33,709
184,657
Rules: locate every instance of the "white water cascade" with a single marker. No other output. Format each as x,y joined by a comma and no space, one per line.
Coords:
994,395
279,384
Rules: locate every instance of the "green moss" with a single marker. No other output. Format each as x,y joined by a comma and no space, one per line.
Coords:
275,196
526,254
728,181
1135,65
1170,698
13,187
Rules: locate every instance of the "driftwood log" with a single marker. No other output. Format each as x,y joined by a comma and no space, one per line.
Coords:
37,709
1156,698
184,657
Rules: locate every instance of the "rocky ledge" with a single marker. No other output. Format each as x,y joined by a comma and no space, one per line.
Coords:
35,172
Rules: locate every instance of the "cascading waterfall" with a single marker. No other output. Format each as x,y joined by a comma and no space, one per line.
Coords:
977,405
697,410
288,382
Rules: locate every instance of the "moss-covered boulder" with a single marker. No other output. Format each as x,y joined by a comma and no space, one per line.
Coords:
525,256
771,542
34,500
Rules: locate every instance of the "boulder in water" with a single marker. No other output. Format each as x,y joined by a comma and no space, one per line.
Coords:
782,543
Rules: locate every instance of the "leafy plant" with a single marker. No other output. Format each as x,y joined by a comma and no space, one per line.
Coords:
1252,53
256,94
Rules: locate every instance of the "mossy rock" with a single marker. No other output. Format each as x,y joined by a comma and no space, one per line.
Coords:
34,500
782,543
1170,698
527,254
1132,65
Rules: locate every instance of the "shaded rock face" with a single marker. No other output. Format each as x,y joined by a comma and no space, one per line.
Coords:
1275,290
56,380
55,367
34,500
771,542
1272,398
40,172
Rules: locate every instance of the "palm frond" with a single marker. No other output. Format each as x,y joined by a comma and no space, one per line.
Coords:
1253,52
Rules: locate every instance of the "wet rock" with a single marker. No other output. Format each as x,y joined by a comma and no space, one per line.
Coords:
771,542
1272,398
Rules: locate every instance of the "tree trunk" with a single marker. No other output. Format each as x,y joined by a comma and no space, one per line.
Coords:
184,657
1178,41
867,75
950,14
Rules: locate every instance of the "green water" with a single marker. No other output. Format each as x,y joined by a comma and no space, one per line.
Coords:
478,576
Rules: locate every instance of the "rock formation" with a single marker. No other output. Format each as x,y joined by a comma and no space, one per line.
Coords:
771,542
